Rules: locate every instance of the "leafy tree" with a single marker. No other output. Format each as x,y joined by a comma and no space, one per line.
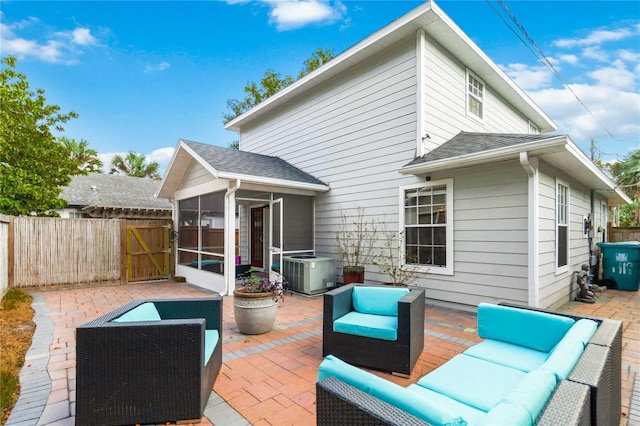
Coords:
134,164
270,84
626,174
33,166
86,159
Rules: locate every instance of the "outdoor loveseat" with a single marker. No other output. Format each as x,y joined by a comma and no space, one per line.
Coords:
149,361
375,326
534,367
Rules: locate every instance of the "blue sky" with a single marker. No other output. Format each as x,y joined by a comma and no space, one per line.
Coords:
142,75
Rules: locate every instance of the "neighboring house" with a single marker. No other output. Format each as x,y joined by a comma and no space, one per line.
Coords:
99,195
416,125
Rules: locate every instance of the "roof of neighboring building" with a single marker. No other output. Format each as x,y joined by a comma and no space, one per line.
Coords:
105,190
234,162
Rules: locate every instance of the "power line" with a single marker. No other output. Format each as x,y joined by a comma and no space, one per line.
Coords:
538,53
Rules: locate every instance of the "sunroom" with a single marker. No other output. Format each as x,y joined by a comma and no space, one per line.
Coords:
235,210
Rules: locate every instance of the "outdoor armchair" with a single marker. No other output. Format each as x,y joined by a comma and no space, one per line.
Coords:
149,361
388,349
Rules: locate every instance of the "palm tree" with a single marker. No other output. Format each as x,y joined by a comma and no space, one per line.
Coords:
133,164
86,158
627,174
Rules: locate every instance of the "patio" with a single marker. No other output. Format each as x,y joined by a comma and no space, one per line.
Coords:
267,379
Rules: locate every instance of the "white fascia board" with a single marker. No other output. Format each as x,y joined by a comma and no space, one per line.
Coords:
500,154
274,182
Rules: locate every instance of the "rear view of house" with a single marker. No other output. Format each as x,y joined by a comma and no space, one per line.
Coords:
418,127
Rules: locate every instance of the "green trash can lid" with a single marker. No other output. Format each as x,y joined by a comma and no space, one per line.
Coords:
626,244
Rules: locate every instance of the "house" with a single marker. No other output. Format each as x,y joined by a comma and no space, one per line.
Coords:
415,125
107,196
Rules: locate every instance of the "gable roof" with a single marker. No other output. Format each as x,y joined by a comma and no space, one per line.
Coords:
233,164
439,27
113,191
471,149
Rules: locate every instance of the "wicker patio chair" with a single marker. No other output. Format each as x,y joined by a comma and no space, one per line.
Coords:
397,356
148,371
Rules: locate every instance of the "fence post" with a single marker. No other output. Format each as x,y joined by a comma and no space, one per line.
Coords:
11,247
123,251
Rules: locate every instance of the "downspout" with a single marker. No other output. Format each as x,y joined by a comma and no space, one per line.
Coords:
229,239
531,167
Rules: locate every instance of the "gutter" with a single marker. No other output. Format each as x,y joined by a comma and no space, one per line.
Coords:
530,165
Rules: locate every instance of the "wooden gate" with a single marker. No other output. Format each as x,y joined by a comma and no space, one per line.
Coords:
148,250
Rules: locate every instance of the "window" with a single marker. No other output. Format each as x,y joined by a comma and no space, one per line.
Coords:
475,96
533,129
76,215
562,226
427,221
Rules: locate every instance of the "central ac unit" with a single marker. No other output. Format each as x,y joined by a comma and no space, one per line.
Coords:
309,274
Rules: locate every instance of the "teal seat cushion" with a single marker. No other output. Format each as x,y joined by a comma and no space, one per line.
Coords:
470,414
473,381
378,300
144,312
211,338
536,330
510,355
565,355
526,402
367,325
389,392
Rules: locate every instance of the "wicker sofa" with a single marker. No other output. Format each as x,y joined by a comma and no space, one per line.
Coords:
396,354
149,361
588,395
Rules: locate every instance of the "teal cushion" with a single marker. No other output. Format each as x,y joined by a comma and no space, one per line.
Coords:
536,330
367,325
525,403
566,353
470,414
378,300
211,338
503,353
389,392
473,381
144,312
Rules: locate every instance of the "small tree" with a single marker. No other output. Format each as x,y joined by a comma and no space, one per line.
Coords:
33,166
400,273
355,239
86,158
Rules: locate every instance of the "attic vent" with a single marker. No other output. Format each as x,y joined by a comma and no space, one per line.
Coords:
94,188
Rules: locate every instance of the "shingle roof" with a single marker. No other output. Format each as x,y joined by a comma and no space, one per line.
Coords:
465,143
250,164
114,191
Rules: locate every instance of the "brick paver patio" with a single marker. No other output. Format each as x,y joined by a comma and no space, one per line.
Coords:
267,379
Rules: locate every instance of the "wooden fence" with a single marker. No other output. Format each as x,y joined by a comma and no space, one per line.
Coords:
54,251
623,234
4,254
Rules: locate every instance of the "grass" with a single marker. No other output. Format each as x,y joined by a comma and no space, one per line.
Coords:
16,331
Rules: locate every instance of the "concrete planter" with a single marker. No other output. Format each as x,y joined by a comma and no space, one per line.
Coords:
255,313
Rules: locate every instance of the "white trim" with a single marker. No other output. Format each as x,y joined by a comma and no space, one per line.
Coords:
559,182
531,167
449,268
420,125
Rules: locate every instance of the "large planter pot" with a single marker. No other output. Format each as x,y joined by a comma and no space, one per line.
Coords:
353,274
255,313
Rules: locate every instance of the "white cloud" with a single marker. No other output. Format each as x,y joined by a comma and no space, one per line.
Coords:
598,37
570,59
628,55
59,47
596,53
616,77
294,14
156,68
528,77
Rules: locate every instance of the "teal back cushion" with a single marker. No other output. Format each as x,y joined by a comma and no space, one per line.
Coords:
389,392
536,330
566,353
144,312
378,300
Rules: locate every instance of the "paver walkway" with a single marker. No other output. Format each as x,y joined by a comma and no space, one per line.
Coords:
267,379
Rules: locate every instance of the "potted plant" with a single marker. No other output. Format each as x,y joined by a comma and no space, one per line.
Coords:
355,242
388,261
255,303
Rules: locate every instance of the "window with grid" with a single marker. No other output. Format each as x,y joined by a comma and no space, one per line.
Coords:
475,96
562,225
425,225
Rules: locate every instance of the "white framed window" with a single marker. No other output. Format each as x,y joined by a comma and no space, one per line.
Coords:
76,215
475,96
533,129
426,219
562,226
